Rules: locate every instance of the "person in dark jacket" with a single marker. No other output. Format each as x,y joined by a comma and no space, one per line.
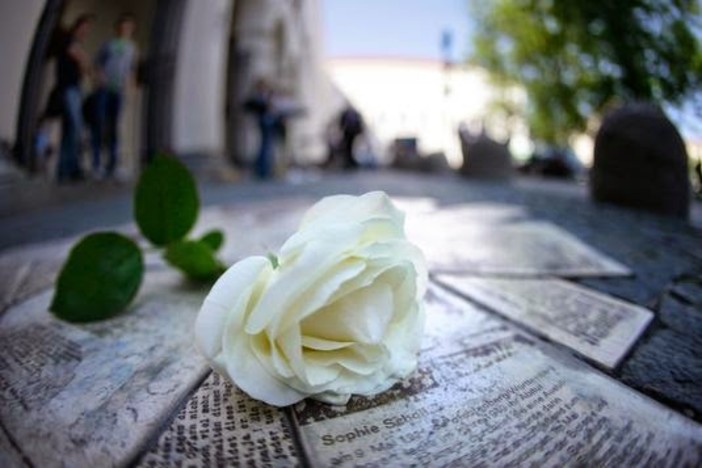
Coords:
72,64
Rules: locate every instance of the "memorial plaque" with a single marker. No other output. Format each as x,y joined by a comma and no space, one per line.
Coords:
503,243
595,325
486,395
90,395
222,426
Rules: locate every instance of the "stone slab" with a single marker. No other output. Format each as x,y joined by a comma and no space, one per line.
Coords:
28,270
597,326
454,241
82,395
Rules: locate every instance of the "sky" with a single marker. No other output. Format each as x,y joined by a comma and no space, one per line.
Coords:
405,28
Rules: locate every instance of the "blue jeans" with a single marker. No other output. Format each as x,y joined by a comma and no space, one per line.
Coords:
264,161
71,132
108,104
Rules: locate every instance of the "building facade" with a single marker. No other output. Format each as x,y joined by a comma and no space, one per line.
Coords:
197,61
424,99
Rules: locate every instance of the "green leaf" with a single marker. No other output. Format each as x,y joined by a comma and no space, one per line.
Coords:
100,278
214,239
195,258
165,201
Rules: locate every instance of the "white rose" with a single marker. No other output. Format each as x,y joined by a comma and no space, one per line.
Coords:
341,314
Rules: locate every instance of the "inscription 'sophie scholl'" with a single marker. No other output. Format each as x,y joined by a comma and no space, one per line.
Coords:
391,422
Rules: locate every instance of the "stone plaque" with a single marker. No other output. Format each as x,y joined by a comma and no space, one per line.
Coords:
486,395
92,394
221,426
503,244
595,325
28,270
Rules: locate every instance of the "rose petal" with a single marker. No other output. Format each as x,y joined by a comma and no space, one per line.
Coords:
366,232
248,370
361,316
401,250
318,294
357,359
320,344
290,344
318,376
280,361
333,398
249,375
223,298
288,282
347,208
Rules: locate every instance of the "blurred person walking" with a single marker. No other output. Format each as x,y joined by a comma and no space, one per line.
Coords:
260,103
351,126
284,107
72,64
114,72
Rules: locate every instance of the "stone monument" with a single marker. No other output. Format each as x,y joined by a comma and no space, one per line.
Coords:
640,161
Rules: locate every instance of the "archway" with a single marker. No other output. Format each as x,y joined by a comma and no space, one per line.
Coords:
146,118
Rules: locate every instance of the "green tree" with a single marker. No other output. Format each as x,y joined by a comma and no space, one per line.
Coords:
575,57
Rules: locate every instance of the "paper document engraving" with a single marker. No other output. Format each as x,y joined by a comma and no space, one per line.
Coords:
90,394
595,325
221,426
497,398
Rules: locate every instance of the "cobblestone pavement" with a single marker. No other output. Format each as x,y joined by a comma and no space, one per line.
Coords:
665,254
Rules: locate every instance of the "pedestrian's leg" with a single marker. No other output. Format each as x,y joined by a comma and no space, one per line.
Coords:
263,161
349,161
76,133
62,169
261,165
71,127
114,108
98,126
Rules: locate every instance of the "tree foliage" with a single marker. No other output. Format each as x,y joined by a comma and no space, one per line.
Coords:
575,57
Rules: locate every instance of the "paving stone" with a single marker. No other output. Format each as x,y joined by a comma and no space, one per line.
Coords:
669,363
688,289
682,318
667,366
